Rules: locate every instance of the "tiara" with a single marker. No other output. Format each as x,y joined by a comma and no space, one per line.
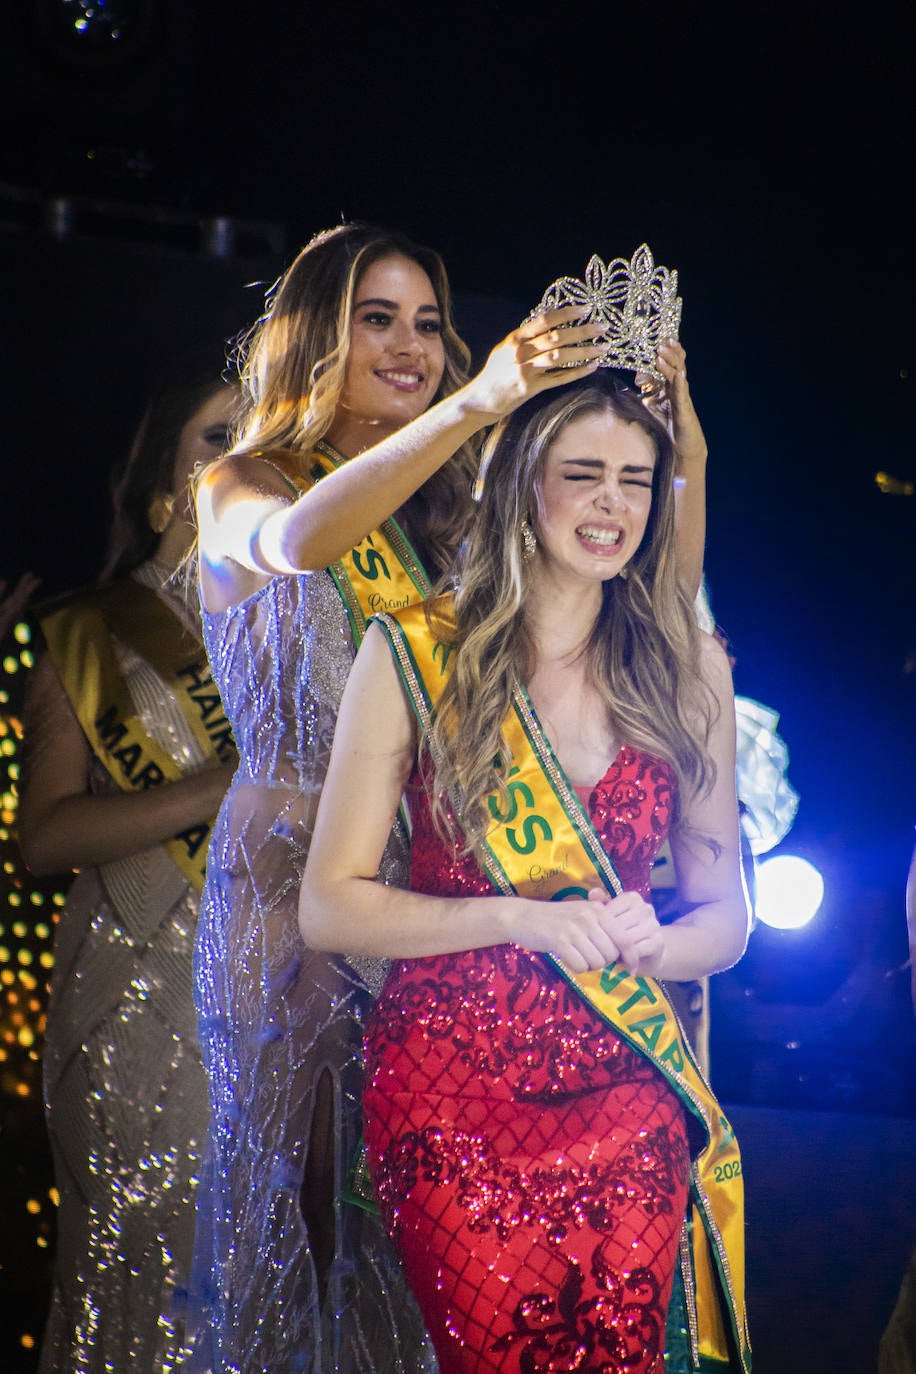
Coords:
635,303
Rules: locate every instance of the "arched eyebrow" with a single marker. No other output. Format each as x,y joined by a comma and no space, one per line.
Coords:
393,305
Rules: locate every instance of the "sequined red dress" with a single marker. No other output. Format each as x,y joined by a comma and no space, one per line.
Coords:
531,1166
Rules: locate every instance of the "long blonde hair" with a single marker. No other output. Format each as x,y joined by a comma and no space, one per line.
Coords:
643,651
293,362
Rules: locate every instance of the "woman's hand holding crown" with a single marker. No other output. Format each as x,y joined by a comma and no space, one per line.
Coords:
544,352
673,403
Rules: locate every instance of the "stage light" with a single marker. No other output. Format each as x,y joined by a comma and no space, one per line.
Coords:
101,33
789,892
893,486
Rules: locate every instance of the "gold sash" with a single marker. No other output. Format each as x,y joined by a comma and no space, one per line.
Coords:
382,573
78,634
543,845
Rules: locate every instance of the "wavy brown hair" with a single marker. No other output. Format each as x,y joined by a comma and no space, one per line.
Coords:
148,470
643,650
292,365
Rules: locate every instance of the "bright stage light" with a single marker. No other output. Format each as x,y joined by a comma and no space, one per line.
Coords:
789,892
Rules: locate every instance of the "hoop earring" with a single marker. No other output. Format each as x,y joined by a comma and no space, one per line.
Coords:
529,543
159,511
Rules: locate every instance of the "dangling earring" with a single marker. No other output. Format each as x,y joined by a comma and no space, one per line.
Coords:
624,573
159,511
529,543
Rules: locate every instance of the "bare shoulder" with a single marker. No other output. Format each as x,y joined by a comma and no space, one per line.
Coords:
716,674
236,495
249,473
375,694
45,691
715,668
376,660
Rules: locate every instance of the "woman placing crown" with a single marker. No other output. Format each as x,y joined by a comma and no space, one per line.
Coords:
337,434
543,1147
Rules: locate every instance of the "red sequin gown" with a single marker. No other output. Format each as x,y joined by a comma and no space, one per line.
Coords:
530,1166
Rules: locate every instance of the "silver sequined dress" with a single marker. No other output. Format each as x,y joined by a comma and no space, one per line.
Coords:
281,1028
125,1092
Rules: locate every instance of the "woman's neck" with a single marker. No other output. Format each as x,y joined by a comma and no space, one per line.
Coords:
352,434
560,617
573,712
176,540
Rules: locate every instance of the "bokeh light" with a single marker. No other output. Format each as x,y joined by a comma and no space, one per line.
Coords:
790,891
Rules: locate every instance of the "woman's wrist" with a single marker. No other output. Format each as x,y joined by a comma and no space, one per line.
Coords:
692,464
503,915
468,412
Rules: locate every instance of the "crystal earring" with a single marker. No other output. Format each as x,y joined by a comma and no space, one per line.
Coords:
159,511
529,543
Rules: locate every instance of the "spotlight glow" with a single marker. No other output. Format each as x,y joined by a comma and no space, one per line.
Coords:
789,892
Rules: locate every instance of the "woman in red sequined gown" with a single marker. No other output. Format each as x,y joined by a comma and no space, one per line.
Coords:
530,1164
566,1169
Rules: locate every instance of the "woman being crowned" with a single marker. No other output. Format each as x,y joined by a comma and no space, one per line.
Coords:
547,1157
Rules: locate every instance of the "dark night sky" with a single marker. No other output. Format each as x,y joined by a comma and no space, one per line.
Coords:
764,150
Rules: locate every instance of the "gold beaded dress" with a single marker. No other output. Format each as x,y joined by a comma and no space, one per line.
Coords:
125,1093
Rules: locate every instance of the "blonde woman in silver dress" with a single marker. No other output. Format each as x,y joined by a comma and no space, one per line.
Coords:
357,408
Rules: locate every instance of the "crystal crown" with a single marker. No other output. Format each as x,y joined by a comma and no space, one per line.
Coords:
635,303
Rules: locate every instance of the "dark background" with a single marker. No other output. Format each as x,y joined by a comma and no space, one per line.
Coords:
766,151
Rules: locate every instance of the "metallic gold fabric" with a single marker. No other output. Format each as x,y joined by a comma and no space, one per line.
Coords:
124,1087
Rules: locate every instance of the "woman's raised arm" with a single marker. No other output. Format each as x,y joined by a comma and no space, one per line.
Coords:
690,444
251,528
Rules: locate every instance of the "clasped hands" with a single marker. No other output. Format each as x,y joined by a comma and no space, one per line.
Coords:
602,930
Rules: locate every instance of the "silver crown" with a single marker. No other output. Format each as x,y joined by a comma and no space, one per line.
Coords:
635,304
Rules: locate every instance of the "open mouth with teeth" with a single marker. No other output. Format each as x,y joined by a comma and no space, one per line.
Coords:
402,380
603,538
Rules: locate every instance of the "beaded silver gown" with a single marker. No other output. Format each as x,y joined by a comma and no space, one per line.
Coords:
288,1275
125,1092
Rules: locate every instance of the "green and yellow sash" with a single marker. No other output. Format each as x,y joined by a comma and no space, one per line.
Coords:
382,573
543,845
78,633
